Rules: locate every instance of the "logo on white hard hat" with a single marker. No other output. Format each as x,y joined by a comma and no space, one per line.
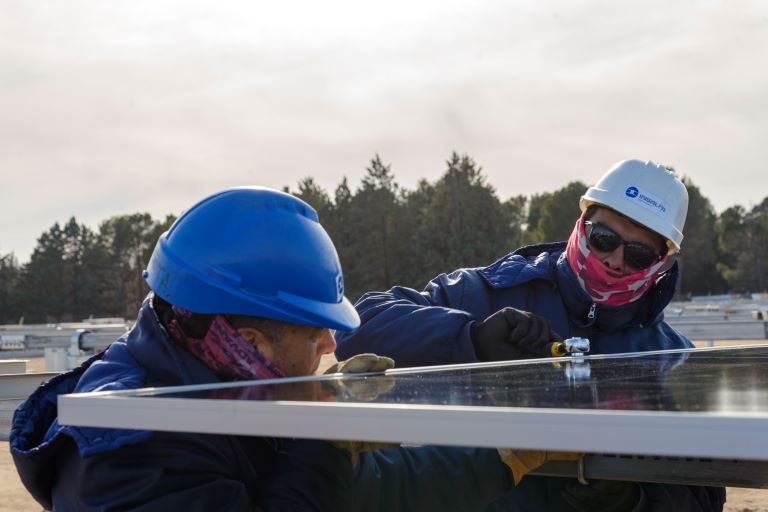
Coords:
646,200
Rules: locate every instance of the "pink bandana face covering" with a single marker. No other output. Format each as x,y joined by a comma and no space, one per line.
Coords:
224,350
604,285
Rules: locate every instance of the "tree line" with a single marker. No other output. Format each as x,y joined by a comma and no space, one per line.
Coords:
385,234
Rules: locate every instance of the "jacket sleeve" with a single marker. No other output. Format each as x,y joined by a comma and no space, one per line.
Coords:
417,328
202,473
429,478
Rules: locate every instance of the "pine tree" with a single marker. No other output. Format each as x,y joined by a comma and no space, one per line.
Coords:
43,288
81,282
465,224
700,251
375,217
314,195
9,277
340,226
553,215
129,241
743,242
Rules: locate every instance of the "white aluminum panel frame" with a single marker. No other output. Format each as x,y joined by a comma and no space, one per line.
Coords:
741,436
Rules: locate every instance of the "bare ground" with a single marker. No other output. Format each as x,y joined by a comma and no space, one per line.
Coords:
14,498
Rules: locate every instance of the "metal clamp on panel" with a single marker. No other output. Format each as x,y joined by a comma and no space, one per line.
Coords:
581,470
76,342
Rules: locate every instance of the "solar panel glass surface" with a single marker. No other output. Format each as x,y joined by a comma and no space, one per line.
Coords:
719,380
702,402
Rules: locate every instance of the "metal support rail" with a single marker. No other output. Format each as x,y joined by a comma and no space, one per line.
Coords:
711,331
676,470
14,389
20,385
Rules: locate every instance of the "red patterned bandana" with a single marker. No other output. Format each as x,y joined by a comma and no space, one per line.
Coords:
604,285
224,350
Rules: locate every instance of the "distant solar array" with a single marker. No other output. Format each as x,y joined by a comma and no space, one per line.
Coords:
32,340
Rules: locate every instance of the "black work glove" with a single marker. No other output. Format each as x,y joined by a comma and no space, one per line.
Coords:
512,334
603,496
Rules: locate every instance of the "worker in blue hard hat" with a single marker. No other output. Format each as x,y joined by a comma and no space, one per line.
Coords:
610,283
245,285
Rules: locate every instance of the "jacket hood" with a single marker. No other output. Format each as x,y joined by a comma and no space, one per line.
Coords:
36,434
523,265
547,262
33,452
142,357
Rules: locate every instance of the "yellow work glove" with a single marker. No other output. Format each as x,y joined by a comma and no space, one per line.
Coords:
365,390
522,462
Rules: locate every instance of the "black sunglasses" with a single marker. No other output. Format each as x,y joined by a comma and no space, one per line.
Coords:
636,255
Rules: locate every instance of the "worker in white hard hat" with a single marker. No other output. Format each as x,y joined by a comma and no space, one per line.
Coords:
610,283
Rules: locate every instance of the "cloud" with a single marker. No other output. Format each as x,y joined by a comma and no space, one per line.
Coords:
114,107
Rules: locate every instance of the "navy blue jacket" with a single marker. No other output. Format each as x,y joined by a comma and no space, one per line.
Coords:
433,327
77,468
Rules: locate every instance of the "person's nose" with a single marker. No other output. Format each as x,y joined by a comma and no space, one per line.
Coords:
615,259
327,343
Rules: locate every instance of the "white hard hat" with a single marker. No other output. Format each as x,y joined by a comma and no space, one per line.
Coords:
646,192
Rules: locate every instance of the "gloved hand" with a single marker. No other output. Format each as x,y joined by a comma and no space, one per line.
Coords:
362,363
603,496
364,389
355,448
522,462
512,334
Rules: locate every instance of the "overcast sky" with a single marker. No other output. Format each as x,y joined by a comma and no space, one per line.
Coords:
111,106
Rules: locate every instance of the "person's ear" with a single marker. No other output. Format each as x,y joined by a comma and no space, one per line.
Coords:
256,338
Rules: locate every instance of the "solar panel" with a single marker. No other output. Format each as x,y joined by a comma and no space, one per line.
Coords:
690,403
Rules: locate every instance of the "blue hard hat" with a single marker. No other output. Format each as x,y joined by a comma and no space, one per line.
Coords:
252,251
